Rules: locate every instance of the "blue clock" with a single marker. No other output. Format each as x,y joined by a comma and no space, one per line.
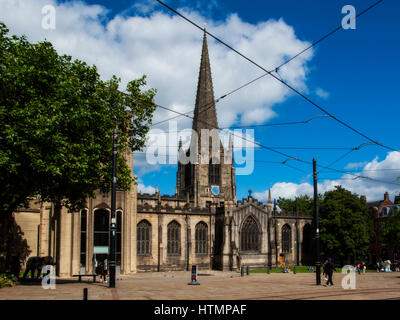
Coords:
215,190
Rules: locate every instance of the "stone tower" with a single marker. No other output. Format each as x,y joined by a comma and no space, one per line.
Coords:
208,175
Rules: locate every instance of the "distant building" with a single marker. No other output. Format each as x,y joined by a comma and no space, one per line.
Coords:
380,211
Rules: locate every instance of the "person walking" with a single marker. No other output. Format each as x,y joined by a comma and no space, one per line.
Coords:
328,269
324,274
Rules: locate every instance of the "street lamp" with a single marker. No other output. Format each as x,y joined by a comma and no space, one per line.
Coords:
113,227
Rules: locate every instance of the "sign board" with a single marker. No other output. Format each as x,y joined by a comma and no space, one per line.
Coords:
194,276
100,249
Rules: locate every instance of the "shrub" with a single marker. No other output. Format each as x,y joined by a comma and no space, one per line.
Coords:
7,280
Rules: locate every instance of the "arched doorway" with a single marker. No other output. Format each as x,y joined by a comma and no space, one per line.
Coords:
101,233
307,246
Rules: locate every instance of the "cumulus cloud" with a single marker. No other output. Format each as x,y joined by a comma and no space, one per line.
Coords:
167,49
322,93
354,165
387,170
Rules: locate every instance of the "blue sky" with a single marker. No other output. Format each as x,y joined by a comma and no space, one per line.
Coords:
353,74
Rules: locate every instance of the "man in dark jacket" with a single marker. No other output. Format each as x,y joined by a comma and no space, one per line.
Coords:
329,267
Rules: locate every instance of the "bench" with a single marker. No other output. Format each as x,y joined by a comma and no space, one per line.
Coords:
85,275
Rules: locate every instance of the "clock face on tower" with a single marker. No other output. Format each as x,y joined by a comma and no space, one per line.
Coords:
215,190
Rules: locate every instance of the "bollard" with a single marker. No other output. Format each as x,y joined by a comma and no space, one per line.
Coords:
242,271
294,270
248,270
85,294
268,270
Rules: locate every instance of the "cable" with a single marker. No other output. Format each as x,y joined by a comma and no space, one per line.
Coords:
286,84
289,157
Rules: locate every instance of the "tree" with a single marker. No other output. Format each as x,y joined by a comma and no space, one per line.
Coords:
57,119
345,226
302,203
390,230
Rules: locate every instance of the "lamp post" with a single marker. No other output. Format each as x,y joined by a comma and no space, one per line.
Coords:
113,227
317,243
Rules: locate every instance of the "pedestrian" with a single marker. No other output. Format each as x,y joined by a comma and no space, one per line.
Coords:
359,268
324,271
364,267
105,270
329,268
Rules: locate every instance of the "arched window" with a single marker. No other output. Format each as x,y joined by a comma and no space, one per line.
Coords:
214,174
307,247
143,238
101,228
250,235
83,237
201,238
286,238
174,238
118,238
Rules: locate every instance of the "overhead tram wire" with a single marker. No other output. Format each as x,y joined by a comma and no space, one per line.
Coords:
275,69
278,67
258,125
289,157
283,82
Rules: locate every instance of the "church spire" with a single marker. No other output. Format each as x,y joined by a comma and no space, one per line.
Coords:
205,115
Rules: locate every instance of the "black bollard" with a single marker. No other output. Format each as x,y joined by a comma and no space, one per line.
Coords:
85,294
269,270
248,270
294,270
242,271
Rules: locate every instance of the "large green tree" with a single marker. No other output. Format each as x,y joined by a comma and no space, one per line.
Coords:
390,230
346,229
302,203
57,117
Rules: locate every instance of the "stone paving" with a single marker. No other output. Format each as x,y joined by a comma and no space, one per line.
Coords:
214,285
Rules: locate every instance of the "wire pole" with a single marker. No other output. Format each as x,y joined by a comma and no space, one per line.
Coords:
113,227
317,243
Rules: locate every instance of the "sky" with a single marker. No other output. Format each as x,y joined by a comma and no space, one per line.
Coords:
353,74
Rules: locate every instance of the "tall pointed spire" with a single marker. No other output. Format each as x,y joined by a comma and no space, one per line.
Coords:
205,115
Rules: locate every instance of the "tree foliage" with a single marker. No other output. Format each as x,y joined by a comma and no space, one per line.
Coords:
346,229
302,203
57,119
345,226
390,230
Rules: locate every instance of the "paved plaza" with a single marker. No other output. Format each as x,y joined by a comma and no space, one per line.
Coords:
214,285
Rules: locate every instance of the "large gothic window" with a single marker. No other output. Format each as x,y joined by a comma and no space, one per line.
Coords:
118,238
143,238
174,238
201,238
250,235
214,173
286,238
83,236
101,228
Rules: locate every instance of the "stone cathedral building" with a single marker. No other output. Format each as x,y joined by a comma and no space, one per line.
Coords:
201,224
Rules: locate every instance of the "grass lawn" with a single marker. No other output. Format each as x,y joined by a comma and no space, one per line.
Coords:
299,269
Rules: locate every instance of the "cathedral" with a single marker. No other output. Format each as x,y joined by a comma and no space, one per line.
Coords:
202,224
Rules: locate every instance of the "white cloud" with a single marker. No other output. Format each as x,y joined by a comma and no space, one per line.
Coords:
145,189
322,93
167,49
354,165
375,169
